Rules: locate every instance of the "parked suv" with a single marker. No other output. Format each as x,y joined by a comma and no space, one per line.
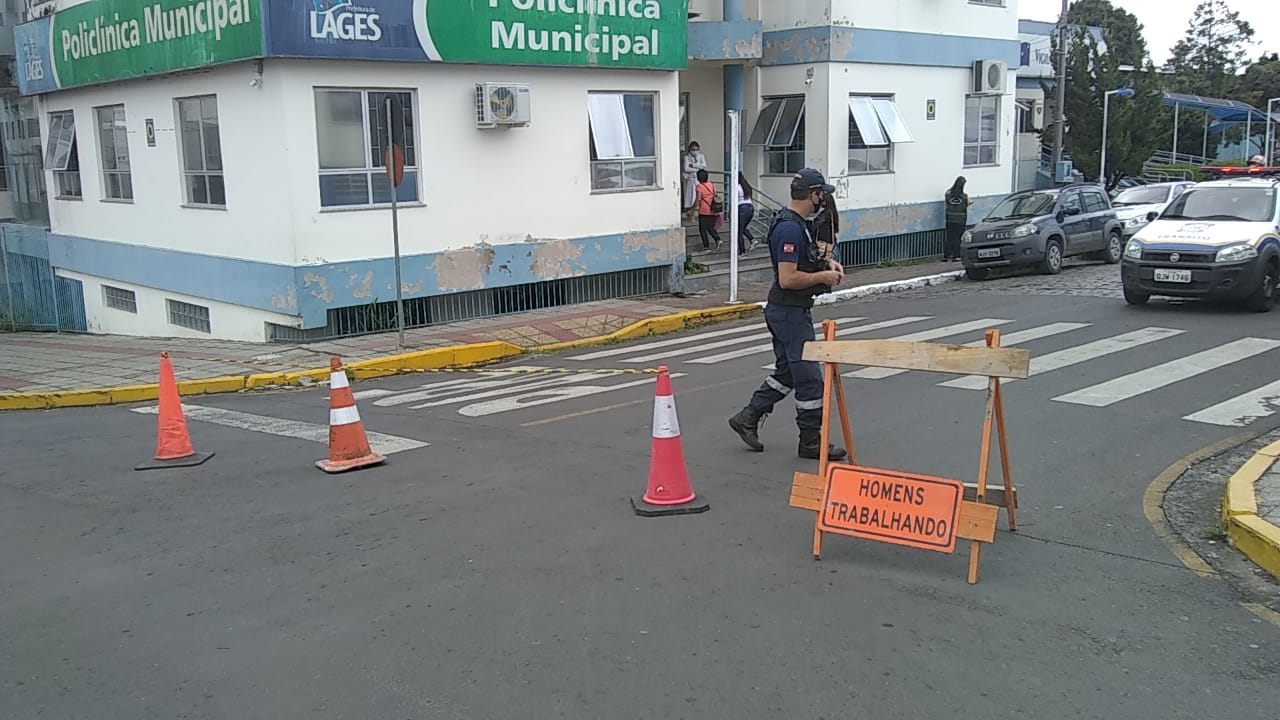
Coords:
1042,227
1220,239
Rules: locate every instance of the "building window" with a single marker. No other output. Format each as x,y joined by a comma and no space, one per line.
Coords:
351,132
875,126
981,130
186,315
780,131
113,143
623,140
201,151
62,155
120,299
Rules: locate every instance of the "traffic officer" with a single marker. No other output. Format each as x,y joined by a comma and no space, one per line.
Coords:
800,271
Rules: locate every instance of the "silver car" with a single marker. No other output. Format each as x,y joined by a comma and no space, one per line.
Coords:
1137,206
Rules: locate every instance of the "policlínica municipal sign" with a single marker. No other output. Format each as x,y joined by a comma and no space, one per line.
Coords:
109,40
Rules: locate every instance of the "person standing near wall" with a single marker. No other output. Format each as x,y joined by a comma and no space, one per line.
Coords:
826,227
694,161
709,209
746,211
799,273
957,219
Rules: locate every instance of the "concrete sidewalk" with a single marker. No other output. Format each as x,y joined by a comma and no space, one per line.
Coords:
43,370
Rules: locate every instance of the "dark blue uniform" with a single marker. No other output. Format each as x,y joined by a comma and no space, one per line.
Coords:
789,316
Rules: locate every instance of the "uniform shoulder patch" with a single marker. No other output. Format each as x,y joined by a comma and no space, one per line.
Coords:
788,247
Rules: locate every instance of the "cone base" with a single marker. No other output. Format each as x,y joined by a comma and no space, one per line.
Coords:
188,461
698,505
339,466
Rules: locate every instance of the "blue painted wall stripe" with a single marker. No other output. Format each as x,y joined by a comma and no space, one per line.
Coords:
728,40
833,43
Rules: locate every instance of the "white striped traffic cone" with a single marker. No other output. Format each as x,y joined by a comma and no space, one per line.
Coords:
668,491
348,444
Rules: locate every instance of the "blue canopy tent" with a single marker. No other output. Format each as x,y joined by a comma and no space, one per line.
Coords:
1222,112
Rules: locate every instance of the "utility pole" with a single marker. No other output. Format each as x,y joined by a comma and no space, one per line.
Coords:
1060,110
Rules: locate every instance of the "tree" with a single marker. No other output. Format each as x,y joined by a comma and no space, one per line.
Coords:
1121,29
1132,122
1260,82
1205,61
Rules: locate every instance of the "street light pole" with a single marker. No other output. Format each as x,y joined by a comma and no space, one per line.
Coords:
1106,106
1060,110
1271,131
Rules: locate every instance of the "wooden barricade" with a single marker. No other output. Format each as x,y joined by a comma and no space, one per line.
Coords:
902,508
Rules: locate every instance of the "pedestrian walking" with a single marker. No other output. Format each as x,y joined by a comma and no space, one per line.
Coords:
957,219
799,274
826,226
709,209
746,211
694,161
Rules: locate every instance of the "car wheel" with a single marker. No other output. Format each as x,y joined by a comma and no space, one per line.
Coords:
1115,249
977,274
1134,297
1052,263
1265,295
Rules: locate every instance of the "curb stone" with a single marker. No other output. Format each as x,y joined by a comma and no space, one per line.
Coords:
1253,536
457,356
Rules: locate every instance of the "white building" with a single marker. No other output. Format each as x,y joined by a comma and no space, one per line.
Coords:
215,169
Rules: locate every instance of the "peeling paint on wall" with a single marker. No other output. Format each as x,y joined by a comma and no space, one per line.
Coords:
556,259
464,268
841,42
895,219
321,292
286,301
366,285
657,246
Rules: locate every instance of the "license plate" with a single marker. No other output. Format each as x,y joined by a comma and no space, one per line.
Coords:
1177,276
989,253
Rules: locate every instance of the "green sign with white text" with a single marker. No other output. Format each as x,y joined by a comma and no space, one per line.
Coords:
108,40
578,33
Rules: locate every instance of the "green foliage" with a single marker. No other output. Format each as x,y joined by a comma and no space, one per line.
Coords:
1214,49
1122,31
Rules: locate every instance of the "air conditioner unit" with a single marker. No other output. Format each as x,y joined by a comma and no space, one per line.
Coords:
502,105
990,76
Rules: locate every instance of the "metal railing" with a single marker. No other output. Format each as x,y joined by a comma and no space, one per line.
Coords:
32,296
766,206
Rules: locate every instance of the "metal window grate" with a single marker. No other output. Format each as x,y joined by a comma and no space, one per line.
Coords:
380,315
120,299
192,317
905,247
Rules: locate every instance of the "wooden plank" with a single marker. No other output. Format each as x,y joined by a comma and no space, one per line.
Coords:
929,357
995,495
806,491
977,521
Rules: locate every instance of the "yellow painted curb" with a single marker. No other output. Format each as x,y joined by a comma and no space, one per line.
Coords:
469,355
1258,539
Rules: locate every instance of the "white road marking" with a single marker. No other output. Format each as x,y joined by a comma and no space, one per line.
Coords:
716,345
663,343
1241,410
1010,340
856,329
507,377
1154,378
872,373
379,443
520,388
370,393
1073,356
546,397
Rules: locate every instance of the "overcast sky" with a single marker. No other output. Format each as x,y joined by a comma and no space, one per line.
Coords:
1165,21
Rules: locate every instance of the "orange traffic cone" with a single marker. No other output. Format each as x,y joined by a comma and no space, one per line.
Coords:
348,444
668,492
173,444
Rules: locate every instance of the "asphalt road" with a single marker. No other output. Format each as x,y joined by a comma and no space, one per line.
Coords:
493,567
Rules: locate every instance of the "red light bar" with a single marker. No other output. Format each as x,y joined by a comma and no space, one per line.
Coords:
1253,170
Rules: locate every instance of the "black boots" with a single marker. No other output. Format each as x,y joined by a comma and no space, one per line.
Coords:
747,424
811,445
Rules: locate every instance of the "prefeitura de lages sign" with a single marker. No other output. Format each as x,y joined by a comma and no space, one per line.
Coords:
109,40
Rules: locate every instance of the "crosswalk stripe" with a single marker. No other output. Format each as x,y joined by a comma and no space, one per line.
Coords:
1010,340
1073,356
1243,409
507,389
1154,378
925,336
715,345
685,340
378,442
856,329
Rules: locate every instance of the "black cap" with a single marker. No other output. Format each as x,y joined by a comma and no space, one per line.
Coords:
810,179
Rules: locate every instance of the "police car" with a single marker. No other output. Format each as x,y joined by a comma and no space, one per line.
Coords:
1220,239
